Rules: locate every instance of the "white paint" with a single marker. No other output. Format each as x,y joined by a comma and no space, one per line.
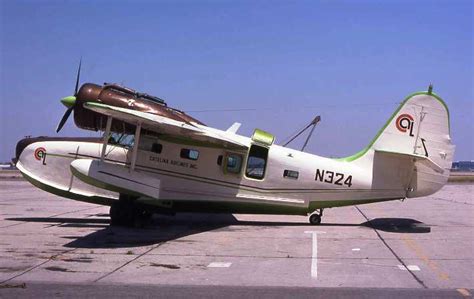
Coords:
409,267
314,254
355,249
219,265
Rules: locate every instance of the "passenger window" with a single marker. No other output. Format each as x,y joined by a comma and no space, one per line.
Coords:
256,162
189,154
290,174
157,148
219,160
233,163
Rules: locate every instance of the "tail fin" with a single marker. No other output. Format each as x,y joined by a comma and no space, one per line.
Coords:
419,132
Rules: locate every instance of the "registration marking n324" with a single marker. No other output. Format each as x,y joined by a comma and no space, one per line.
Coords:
331,177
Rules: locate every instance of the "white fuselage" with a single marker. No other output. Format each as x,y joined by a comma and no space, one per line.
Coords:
192,167
321,182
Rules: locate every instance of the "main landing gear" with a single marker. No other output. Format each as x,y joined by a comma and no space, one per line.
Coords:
315,218
128,213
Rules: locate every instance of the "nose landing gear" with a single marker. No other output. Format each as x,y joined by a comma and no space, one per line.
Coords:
315,218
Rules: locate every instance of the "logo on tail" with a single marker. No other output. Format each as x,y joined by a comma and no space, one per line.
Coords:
405,123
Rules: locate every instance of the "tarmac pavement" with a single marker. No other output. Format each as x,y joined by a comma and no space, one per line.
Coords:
418,248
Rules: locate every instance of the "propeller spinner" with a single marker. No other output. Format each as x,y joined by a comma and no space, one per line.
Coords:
69,101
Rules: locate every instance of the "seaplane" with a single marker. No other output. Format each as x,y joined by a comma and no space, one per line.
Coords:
155,159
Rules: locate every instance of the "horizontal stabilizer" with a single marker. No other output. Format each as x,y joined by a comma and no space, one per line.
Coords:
417,158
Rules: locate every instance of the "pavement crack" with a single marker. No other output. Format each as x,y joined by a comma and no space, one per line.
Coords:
452,201
392,251
134,259
53,257
130,261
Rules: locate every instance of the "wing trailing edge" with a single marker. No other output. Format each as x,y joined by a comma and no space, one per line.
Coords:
169,127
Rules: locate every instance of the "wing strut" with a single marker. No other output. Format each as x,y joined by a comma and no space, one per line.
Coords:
135,146
106,138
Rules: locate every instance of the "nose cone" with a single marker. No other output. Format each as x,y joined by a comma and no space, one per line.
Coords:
68,101
21,145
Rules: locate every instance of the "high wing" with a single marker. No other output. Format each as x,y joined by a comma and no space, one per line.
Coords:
169,128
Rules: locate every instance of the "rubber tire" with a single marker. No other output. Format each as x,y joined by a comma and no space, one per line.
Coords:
129,214
122,214
115,210
315,219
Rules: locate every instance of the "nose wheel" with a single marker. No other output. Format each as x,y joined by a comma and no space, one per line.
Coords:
315,218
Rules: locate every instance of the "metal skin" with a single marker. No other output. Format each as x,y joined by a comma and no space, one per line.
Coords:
410,157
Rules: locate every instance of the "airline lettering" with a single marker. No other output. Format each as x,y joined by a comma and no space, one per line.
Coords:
172,162
332,177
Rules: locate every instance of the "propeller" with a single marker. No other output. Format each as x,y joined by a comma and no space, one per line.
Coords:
69,101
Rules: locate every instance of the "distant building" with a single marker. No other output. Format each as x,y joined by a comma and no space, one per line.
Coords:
463,166
7,166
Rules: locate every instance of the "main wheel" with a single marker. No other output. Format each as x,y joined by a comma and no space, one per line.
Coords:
141,217
115,213
315,219
124,213
121,213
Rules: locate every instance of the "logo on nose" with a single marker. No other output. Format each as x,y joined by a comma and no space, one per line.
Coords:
40,152
405,123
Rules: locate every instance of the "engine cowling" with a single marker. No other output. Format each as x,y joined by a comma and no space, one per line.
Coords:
123,97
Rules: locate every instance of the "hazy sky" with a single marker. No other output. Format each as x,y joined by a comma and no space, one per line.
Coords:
276,64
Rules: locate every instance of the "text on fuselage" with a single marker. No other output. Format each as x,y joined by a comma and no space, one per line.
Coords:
172,162
331,177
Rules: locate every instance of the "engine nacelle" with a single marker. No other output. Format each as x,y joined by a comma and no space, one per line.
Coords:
123,97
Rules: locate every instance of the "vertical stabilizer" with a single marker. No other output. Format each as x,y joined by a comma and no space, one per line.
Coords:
418,133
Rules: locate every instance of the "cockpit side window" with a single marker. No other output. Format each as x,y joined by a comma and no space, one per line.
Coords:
150,144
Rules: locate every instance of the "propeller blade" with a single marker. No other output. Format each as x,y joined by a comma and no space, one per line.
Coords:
78,76
64,119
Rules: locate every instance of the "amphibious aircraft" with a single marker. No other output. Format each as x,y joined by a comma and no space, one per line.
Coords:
156,159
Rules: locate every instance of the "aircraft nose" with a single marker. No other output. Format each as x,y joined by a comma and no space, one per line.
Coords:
20,146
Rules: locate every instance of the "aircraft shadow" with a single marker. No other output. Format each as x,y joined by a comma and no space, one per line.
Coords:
391,225
62,220
164,228
398,225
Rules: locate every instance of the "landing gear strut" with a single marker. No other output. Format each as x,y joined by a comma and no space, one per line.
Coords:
128,213
315,218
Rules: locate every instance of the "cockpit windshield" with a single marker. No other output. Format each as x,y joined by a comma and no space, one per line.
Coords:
122,139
